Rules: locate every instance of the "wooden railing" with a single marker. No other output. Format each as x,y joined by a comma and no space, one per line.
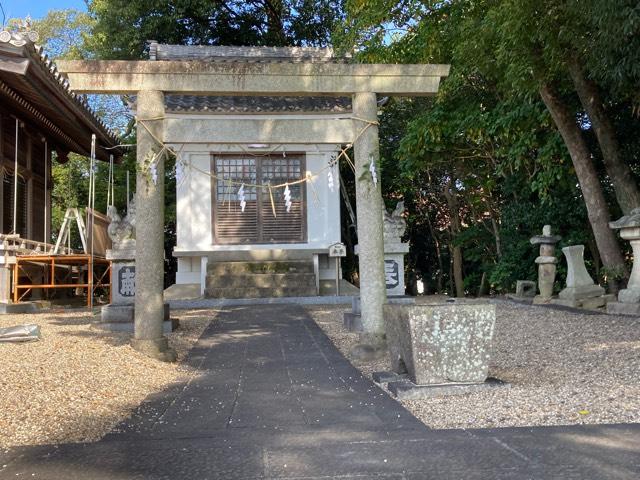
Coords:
11,243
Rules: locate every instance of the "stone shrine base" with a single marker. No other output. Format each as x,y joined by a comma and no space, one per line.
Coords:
518,298
120,318
586,303
540,300
402,388
621,308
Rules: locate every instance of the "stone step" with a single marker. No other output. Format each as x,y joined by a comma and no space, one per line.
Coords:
262,280
256,292
240,268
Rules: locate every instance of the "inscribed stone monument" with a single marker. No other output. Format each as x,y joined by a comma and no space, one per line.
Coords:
581,291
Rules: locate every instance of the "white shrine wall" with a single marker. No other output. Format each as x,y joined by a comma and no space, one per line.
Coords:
195,242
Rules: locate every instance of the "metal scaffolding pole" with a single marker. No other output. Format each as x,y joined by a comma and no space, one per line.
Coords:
46,191
15,180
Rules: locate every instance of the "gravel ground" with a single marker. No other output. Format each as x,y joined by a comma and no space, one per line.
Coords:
77,383
564,368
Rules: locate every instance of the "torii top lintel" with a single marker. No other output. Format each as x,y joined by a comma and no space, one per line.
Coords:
275,79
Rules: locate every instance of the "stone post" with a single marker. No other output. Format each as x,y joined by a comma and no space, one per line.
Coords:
149,302
629,298
5,278
546,264
369,216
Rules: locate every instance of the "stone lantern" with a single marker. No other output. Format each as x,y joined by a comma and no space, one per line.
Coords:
629,298
546,264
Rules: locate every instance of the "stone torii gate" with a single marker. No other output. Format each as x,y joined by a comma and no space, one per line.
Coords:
150,80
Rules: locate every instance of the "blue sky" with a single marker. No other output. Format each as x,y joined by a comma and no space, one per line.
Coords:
37,8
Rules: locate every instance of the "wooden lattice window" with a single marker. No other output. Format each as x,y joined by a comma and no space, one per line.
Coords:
257,224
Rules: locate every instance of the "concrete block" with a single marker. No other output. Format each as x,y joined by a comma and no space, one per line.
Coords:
581,292
404,390
440,343
629,295
168,326
388,376
540,300
117,314
620,308
125,313
593,303
352,322
22,307
525,289
590,303
515,298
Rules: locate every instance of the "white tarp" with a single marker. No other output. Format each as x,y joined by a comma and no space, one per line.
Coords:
20,333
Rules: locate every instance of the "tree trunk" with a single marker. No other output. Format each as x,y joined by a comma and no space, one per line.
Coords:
436,242
624,184
496,235
482,291
457,271
595,255
456,227
452,283
589,183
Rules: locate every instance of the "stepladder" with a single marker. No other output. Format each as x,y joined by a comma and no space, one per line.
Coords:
71,215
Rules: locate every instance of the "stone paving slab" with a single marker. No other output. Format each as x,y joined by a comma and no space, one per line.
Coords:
276,400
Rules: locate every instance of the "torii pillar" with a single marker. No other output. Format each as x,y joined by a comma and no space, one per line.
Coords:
370,229
149,304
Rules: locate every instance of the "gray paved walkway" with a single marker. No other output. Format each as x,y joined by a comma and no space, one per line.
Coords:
277,400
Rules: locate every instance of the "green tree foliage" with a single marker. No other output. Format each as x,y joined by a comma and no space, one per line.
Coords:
61,32
123,26
610,43
487,134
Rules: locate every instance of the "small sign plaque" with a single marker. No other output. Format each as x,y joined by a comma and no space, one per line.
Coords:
391,273
338,250
127,281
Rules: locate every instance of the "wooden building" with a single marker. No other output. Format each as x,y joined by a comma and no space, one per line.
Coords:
41,120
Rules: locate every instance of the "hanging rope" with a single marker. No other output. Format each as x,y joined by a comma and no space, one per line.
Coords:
273,204
110,199
307,179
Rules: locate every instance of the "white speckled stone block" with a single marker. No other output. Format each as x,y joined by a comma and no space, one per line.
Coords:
440,343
